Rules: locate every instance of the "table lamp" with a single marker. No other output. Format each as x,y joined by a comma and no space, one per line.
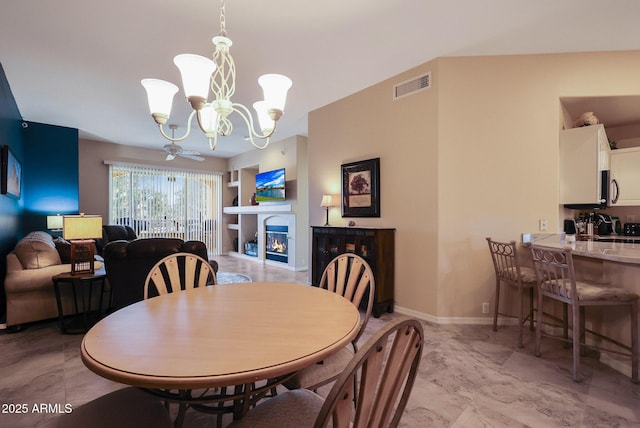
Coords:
80,230
54,224
327,202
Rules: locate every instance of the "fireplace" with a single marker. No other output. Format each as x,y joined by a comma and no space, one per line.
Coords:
276,243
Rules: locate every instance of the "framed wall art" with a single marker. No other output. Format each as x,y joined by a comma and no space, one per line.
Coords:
11,174
361,188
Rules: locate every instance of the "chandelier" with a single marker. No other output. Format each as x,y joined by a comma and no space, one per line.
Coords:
219,74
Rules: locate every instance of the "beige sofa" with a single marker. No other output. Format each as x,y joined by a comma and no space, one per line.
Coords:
28,283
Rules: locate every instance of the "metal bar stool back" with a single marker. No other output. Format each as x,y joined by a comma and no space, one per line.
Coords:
555,270
509,271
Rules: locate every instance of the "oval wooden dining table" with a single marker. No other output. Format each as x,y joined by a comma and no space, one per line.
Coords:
220,336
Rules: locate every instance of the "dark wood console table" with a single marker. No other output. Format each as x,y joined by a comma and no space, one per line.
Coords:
376,246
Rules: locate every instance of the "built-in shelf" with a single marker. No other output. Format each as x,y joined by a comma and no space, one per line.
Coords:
245,222
258,209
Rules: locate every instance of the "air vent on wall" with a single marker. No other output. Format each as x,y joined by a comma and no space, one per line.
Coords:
412,86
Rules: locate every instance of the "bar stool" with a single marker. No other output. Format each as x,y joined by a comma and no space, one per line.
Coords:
554,268
508,270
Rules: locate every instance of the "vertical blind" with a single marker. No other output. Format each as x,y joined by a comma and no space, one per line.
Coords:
166,203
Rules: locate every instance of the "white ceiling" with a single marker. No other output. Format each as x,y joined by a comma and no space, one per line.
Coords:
78,63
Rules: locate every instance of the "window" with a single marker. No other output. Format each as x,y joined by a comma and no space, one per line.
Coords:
166,203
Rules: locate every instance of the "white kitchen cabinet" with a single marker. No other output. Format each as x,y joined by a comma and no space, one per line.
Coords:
625,169
584,154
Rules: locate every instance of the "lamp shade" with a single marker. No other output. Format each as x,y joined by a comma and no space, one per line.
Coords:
82,227
327,201
196,73
54,222
266,123
208,120
274,88
159,95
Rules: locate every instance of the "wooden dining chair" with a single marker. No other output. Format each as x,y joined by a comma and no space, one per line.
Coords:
350,276
178,271
124,408
383,371
521,278
556,273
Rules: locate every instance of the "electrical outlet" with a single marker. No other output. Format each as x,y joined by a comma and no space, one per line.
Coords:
543,224
631,219
485,308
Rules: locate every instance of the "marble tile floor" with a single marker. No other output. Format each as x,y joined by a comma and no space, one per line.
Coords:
470,376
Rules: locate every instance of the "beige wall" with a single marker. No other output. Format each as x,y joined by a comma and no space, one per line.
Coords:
94,174
474,156
404,135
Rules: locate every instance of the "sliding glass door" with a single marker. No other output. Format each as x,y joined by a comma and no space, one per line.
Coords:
166,203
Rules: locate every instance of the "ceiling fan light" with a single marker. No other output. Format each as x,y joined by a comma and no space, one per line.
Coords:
159,95
275,87
265,121
196,73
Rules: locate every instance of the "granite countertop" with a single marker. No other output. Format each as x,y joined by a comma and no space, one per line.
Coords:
617,248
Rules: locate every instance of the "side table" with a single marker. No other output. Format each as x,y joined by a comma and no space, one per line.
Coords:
81,284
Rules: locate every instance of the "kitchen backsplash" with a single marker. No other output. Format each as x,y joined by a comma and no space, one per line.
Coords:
625,214
610,220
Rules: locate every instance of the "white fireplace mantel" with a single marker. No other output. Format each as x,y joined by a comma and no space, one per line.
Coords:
277,219
259,209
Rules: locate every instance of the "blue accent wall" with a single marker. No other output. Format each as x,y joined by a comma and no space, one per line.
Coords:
50,183
10,209
50,173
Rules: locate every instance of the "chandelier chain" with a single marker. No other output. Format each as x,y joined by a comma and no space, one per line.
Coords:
223,29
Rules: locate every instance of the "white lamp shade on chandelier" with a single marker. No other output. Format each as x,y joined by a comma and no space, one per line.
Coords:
265,121
160,97
199,74
275,88
196,74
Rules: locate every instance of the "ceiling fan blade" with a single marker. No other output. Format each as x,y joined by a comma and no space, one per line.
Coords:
192,157
170,157
189,152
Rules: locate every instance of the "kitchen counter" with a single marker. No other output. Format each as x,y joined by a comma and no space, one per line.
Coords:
615,248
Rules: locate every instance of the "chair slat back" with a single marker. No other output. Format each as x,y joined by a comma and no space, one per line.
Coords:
387,365
350,276
555,272
505,260
179,271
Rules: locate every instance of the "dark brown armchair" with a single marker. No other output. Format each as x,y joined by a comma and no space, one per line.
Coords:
128,263
114,232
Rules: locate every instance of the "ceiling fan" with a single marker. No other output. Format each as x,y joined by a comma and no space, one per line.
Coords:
174,150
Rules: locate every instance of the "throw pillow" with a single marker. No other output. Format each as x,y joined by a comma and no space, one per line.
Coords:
64,249
37,250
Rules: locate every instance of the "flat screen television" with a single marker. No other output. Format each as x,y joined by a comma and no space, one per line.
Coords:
270,186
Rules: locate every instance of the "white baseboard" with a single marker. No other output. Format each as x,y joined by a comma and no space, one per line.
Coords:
617,365
487,320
